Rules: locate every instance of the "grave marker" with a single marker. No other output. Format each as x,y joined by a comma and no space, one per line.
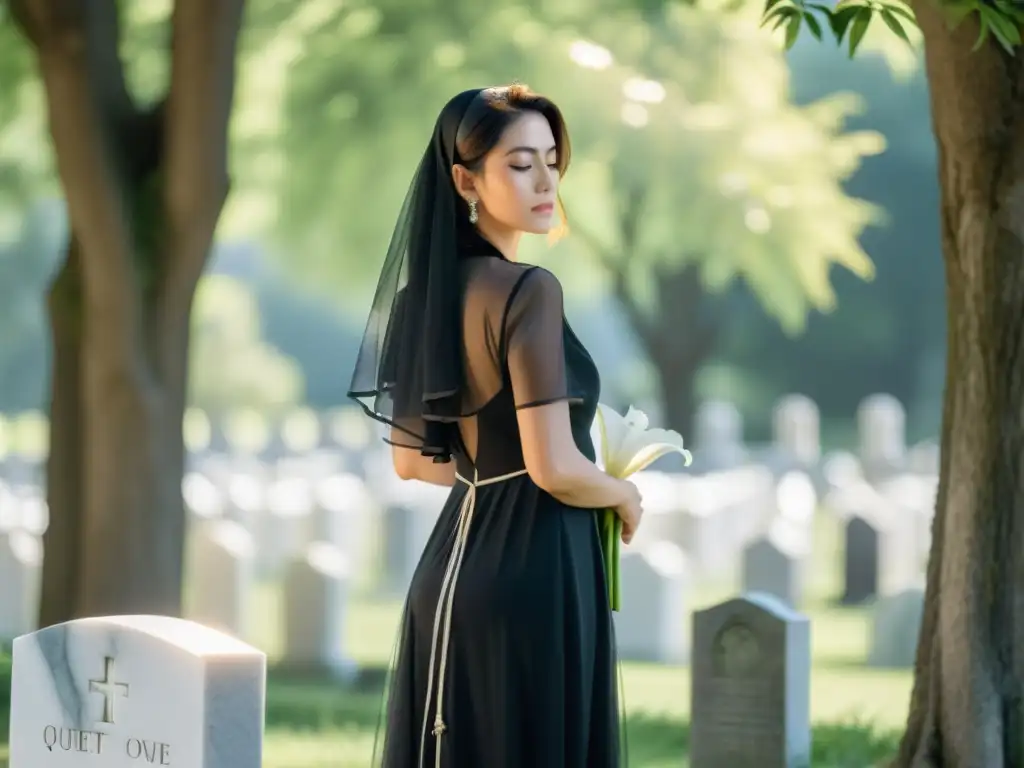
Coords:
127,691
750,685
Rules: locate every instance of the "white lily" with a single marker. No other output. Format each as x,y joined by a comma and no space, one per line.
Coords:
628,446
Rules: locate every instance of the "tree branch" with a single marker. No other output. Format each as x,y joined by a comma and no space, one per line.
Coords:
87,98
196,118
204,48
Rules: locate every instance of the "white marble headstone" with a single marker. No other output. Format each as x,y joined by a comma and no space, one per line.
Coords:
651,625
881,429
796,425
718,428
126,691
21,563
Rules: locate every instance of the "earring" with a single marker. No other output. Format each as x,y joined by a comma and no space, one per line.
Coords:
473,215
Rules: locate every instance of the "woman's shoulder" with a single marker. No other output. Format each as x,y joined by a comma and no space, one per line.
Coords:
504,278
498,280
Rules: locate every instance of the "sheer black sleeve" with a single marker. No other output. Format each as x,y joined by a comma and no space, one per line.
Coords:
533,340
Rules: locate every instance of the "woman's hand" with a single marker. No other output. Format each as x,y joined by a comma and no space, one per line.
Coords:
630,511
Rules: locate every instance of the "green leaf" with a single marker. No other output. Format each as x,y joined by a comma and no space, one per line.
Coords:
840,20
1010,11
983,30
769,5
792,31
894,24
1005,30
899,9
813,25
858,28
780,16
783,15
1007,45
957,11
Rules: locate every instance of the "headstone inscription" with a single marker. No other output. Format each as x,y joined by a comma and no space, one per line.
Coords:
128,691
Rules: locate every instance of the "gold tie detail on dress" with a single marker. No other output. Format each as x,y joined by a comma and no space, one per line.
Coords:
443,612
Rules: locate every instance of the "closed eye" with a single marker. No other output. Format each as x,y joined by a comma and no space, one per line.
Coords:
552,166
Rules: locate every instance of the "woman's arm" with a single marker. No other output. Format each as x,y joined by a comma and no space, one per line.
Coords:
536,366
556,465
410,464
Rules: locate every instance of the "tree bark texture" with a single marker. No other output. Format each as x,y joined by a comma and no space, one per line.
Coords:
144,187
966,706
62,562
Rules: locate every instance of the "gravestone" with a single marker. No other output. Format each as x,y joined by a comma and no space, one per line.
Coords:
718,435
343,514
315,601
860,561
126,691
796,499
220,575
21,562
405,527
285,526
34,516
774,564
750,685
881,432
924,458
895,626
651,624
797,432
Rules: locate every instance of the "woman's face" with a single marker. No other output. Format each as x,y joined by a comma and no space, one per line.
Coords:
518,183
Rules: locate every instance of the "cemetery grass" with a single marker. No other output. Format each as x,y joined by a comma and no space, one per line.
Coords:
858,712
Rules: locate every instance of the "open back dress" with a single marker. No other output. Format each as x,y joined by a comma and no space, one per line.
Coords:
506,651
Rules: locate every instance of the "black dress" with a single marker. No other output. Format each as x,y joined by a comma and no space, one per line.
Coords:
527,675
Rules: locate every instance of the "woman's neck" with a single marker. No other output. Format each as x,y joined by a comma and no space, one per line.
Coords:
504,239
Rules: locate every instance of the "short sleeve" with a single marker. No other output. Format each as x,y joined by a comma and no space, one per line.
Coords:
533,340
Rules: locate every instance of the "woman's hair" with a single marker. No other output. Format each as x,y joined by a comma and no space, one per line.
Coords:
494,112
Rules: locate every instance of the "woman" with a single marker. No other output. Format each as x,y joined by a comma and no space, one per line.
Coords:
506,654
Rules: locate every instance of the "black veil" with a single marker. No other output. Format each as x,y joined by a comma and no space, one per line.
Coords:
409,370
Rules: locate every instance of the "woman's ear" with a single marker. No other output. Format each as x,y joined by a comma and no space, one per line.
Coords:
464,182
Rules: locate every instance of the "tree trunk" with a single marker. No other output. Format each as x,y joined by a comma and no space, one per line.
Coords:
677,386
969,675
144,189
61,566
680,342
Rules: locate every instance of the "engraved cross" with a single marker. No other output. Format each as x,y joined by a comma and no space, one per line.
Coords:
109,689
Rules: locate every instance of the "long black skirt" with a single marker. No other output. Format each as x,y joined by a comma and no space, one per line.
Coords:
527,677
